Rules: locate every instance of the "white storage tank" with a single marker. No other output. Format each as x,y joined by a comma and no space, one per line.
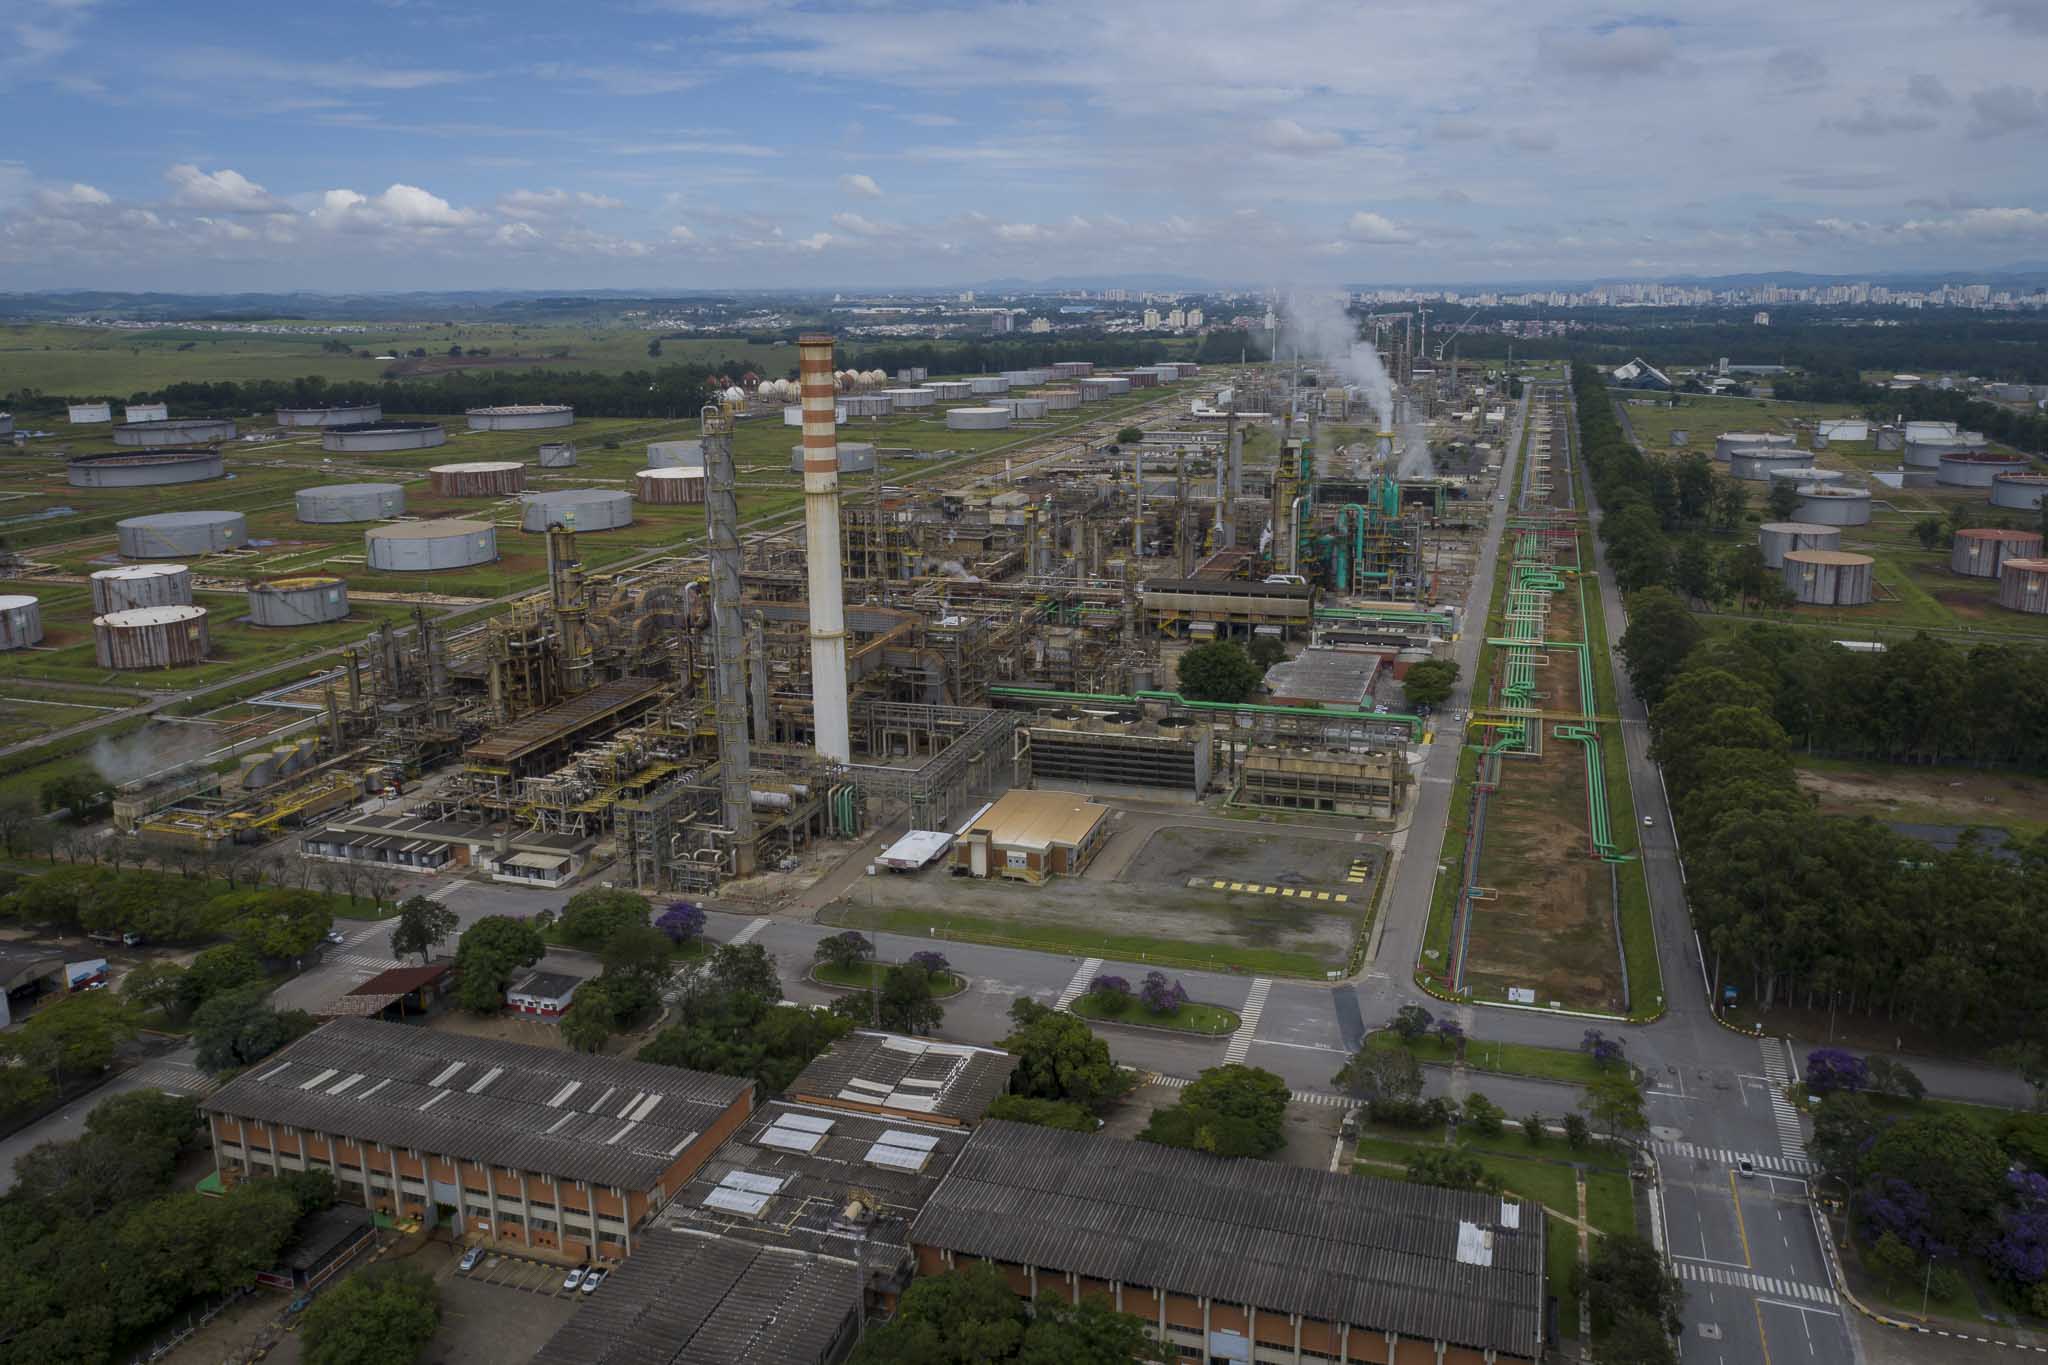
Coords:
1891,439
521,417
558,455
84,414
309,601
1776,538
1755,464
793,415
1022,409
1978,551
2016,490
1059,400
1927,454
21,621
1807,473
2023,585
866,405
1843,428
1073,369
675,455
178,535
150,637
146,412
382,436
1930,432
6,424
338,415
1828,578
855,457
477,478
1728,442
141,585
950,390
577,509
342,502
1024,379
143,469
977,419
907,400
1095,390
912,374
987,385
1978,468
184,431
1833,505
679,486
422,546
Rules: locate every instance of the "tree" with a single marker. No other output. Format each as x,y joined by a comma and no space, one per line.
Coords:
1129,436
1110,994
1532,1128
742,1033
1930,532
73,1037
640,950
1830,1071
1161,996
1783,500
157,984
1381,1069
654,349
1265,651
423,925
1636,1338
1231,1110
151,1116
1604,1051
238,1027
86,794
1044,1113
214,971
1482,1115
1060,1058
1411,1022
592,917
1615,1102
1091,1332
845,950
604,1005
1429,682
492,950
1625,1274
966,1315
682,921
1935,1179
382,1315
906,1001
933,961
1661,633
1891,1260
273,925
1450,1168
1692,569
1221,671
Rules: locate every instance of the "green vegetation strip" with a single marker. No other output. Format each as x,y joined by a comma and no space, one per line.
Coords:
1210,1020
1508,1059
1060,938
868,976
1560,1260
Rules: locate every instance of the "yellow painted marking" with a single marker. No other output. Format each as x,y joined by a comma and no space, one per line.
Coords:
1342,897
1237,886
1736,1195
1757,1304
1322,895
1270,890
1216,886
1289,892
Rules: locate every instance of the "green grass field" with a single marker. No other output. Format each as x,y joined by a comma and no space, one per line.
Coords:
1508,1059
869,975
1060,938
1210,1020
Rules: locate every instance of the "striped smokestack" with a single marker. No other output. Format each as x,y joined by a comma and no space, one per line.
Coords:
821,550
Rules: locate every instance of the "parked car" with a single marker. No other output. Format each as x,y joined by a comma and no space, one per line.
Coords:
334,936
574,1279
469,1259
1744,1168
592,1281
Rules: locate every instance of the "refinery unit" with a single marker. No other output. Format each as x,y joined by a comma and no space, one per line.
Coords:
908,651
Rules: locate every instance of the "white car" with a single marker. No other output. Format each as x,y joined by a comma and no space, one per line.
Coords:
573,1279
592,1281
1648,820
334,936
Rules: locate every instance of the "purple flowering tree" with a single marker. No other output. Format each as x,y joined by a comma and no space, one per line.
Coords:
933,962
1605,1051
1161,996
1112,994
1451,1034
2020,1251
1832,1071
683,922
1902,1208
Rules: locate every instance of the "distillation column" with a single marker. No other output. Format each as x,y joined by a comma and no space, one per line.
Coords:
821,550
722,531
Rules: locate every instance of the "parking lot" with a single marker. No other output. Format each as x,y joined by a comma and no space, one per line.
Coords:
543,1278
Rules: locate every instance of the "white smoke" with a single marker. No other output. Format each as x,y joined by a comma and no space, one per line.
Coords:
1318,327
1413,462
153,749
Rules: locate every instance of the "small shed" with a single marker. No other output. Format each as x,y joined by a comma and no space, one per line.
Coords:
412,990
322,1245
546,994
1031,836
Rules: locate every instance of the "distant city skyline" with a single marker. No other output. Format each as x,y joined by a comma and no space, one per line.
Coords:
693,144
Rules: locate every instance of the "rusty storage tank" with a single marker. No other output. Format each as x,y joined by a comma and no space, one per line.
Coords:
1776,538
521,417
558,455
675,487
1139,379
341,502
2023,586
310,601
145,469
1728,442
577,509
1095,390
179,535
21,621
424,546
477,478
865,405
987,386
907,400
141,585
181,431
1927,454
339,415
1833,505
150,637
1072,369
2020,491
1756,464
950,390
1978,552
1025,409
855,457
1977,468
1060,399
1828,578
977,419
381,435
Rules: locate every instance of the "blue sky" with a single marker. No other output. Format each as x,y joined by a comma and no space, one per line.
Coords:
679,144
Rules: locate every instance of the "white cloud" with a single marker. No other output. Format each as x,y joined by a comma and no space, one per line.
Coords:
2006,109
72,198
861,227
860,185
932,120
1531,139
1377,229
223,191
400,206
1285,135
680,233
817,241
552,203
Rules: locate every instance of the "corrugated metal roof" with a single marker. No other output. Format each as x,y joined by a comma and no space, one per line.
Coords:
504,1119
1024,818
1380,1255
949,1080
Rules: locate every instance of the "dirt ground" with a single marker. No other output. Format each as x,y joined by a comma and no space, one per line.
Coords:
1934,796
1172,856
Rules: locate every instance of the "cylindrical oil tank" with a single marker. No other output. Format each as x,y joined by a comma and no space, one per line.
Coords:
146,412
1828,578
82,414
1979,551
558,455
677,487
1831,504
675,455
521,417
309,601
141,585
2023,585
987,385
950,390
381,435
1843,428
340,415
1119,384
6,424
1756,463
867,405
977,419
1777,538
146,469
2022,491
1095,390
1930,431
1977,468
337,502
150,637
1073,369
793,415
1023,379
21,621
905,400
1926,454
1024,409
1139,379
181,431
855,457
1188,368
1059,400
1728,442
578,509
420,546
477,478
1806,473
912,374
1890,439
174,535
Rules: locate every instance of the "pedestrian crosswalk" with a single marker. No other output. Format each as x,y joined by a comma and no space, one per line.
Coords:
1248,1027
1322,1097
369,962
1700,1273
1084,977
1306,893
1778,1067
747,931
1724,1156
179,1078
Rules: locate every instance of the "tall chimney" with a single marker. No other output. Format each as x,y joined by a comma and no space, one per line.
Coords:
821,550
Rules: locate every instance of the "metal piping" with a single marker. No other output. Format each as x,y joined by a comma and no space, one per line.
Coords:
829,705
